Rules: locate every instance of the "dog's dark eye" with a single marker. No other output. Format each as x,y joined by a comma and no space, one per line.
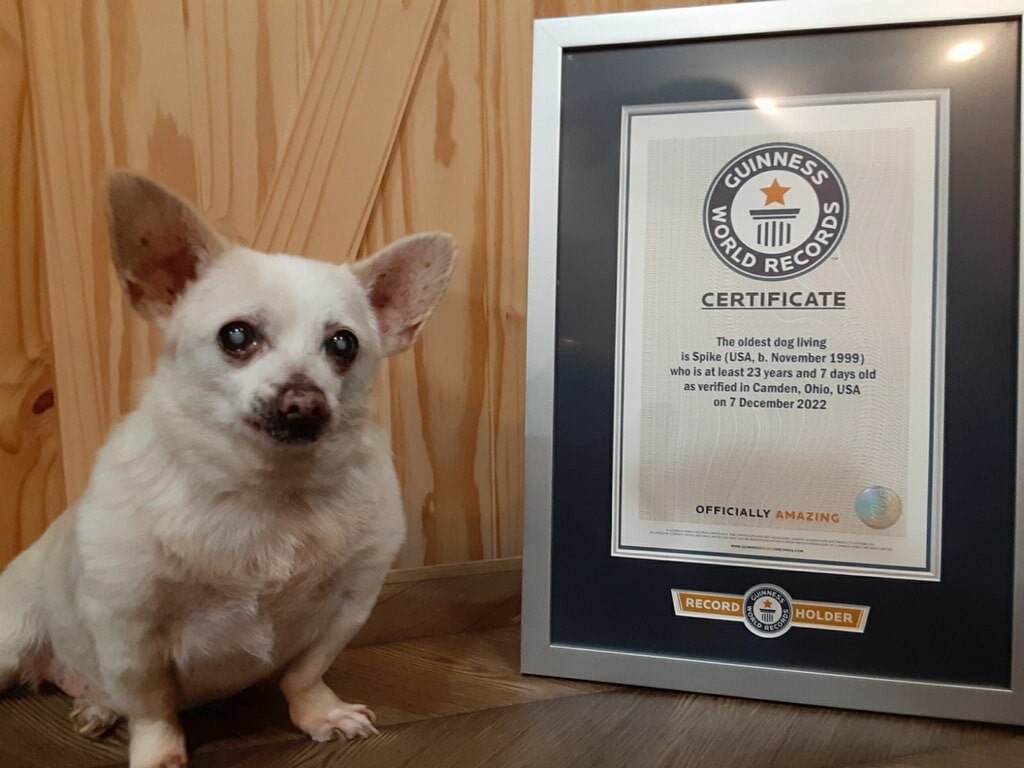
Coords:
342,346
238,338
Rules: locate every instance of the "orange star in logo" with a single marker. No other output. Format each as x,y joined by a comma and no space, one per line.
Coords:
776,193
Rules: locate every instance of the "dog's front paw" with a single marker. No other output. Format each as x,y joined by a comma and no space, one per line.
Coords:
350,721
173,759
156,744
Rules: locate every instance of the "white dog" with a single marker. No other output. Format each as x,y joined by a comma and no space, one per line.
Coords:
238,525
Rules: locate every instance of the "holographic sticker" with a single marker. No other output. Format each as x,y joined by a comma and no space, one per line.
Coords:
878,507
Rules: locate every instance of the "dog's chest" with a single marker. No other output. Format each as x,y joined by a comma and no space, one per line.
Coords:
255,616
234,620
227,637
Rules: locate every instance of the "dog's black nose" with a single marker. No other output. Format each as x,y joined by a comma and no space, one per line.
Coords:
305,403
300,412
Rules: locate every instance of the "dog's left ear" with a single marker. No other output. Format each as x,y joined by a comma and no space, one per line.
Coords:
404,282
160,243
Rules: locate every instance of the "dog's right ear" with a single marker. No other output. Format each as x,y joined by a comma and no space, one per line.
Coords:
159,242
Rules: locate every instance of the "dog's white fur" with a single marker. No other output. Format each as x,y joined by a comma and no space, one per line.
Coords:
205,556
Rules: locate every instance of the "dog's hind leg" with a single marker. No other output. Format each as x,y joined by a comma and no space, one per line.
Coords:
26,655
91,713
21,627
24,613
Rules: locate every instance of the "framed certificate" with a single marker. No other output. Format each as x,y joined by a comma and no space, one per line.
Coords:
773,354
748,399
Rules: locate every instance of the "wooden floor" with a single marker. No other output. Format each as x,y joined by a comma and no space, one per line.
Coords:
458,702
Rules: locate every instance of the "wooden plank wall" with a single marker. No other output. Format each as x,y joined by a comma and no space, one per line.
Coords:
316,127
32,488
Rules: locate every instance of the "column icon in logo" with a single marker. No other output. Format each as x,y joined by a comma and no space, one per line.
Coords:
774,225
768,611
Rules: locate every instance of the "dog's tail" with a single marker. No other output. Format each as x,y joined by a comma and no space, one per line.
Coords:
21,624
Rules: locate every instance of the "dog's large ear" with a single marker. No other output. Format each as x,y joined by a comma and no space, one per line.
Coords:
404,282
159,242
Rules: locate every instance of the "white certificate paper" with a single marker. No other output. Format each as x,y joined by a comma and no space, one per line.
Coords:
780,327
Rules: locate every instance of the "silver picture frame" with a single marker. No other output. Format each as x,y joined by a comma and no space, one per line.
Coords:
774,675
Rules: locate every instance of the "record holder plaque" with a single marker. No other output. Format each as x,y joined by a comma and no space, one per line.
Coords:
773,354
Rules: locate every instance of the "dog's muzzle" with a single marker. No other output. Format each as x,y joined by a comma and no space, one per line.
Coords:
298,414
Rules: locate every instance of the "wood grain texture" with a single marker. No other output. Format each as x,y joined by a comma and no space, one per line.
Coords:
618,728
455,404
343,133
442,602
325,128
458,702
31,472
544,9
995,754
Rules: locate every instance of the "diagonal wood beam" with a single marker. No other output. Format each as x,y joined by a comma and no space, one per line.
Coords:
347,124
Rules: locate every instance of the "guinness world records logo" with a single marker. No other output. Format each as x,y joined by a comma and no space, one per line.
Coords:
775,211
767,610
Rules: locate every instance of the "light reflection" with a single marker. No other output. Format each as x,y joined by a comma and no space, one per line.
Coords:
968,49
765,104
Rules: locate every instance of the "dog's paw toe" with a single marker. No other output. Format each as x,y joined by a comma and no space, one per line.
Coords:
93,720
349,721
